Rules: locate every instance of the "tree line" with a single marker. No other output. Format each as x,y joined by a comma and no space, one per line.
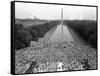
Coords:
86,29
23,36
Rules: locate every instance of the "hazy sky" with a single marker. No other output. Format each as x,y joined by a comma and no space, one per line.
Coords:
48,11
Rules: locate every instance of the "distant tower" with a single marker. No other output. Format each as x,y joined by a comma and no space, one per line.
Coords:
62,21
61,15
61,33
80,15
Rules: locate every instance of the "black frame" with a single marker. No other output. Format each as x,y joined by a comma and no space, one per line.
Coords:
12,33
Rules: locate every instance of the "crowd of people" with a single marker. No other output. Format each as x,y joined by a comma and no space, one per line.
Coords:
42,57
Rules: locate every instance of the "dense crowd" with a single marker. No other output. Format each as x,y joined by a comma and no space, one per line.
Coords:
42,56
45,58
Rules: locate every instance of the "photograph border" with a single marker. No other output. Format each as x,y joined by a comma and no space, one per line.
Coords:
12,34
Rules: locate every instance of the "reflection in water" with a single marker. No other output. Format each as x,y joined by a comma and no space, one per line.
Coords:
61,34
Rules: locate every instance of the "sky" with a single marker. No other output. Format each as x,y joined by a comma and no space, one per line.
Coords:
52,12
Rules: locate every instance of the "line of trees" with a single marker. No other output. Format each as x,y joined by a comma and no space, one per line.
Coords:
86,29
23,36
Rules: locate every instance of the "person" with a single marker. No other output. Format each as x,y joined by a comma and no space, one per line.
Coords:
60,66
33,67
